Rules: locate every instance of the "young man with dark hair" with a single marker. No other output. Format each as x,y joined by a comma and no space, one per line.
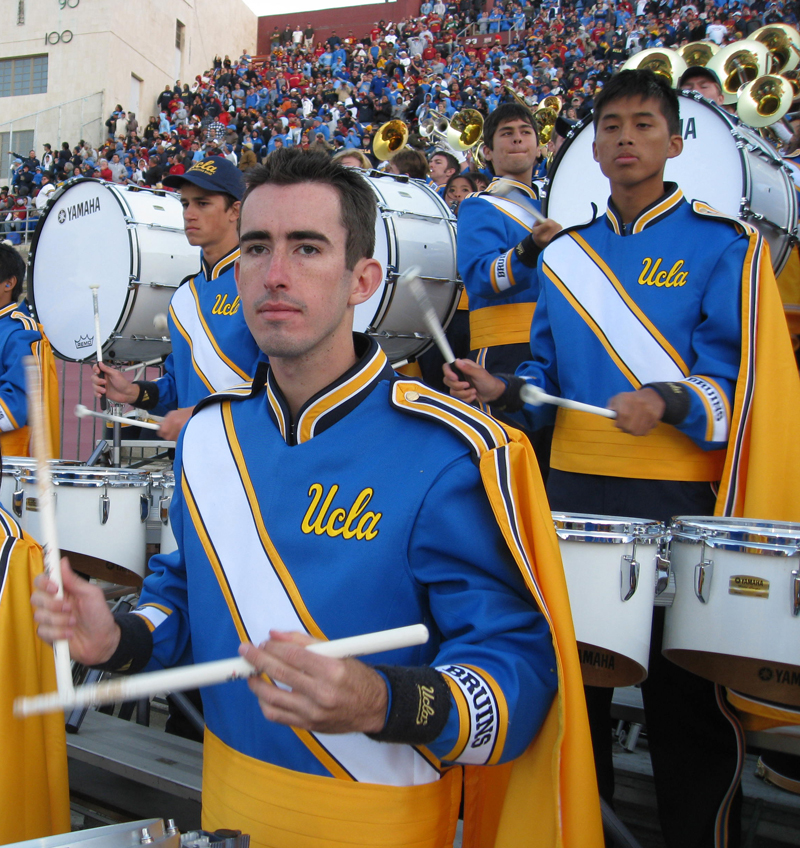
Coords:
499,241
315,541
212,349
410,162
651,311
442,165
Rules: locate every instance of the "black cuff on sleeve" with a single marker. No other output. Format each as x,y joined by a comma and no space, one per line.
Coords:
135,645
420,705
510,400
528,251
676,398
148,395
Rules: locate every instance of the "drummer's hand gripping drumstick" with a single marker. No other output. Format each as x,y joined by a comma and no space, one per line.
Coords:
207,674
97,340
410,277
503,188
82,411
47,512
536,397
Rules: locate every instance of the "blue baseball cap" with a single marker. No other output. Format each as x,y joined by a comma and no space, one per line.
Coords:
214,173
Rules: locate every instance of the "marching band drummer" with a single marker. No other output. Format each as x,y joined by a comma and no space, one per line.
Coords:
499,242
651,310
21,336
212,348
318,540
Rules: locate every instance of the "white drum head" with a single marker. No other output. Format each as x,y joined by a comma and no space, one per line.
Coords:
82,239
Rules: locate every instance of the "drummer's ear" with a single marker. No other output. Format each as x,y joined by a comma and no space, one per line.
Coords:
367,276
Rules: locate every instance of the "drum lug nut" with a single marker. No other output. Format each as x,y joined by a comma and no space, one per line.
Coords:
144,508
662,567
702,580
629,577
796,592
105,504
163,508
16,501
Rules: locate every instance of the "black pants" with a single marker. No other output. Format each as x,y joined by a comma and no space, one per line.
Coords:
695,743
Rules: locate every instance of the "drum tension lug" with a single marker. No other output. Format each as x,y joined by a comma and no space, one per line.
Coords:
662,568
105,504
163,509
702,579
629,576
144,508
16,500
796,592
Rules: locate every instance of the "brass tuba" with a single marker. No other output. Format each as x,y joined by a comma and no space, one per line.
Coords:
699,53
738,64
465,130
390,138
764,101
783,43
662,61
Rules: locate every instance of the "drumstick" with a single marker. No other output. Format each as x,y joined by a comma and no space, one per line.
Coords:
98,341
535,396
411,278
47,511
208,674
503,188
82,411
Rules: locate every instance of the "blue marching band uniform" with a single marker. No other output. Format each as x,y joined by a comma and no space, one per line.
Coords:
673,300
212,349
317,539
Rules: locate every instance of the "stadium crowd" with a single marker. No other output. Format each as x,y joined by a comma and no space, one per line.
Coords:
333,94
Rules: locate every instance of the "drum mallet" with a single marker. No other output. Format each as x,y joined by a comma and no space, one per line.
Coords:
47,511
148,685
82,411
536,397
410,277
98,341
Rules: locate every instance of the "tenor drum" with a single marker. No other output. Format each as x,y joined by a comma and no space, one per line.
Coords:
611,568
736,614
101,516
130,240
724,163
414,227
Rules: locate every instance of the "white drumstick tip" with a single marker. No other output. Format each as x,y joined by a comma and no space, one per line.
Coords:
94,285
82,411
160,322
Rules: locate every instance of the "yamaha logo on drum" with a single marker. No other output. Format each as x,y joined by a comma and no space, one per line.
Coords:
79,210
84,341
743,584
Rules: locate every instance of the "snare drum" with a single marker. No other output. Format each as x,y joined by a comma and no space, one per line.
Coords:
414,227
100,518
724,163
127,239
736,614
610,565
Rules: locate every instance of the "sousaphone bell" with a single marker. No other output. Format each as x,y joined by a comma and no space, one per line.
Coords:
662,61
738,64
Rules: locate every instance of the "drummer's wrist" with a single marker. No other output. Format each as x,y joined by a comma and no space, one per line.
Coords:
676,400
146,394
134,645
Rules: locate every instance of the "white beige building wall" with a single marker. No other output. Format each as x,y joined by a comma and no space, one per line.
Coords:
107,50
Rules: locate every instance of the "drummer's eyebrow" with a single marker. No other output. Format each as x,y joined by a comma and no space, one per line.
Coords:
295,235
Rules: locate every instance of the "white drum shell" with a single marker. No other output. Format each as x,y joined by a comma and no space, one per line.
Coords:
120,541
613,635
720,637
725,164
128,240
414,227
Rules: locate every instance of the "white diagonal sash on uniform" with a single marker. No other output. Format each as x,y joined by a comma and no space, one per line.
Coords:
513,208
632,341
206,358
260,596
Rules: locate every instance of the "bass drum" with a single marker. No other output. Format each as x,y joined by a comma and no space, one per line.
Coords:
724,163
414,227
127,239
